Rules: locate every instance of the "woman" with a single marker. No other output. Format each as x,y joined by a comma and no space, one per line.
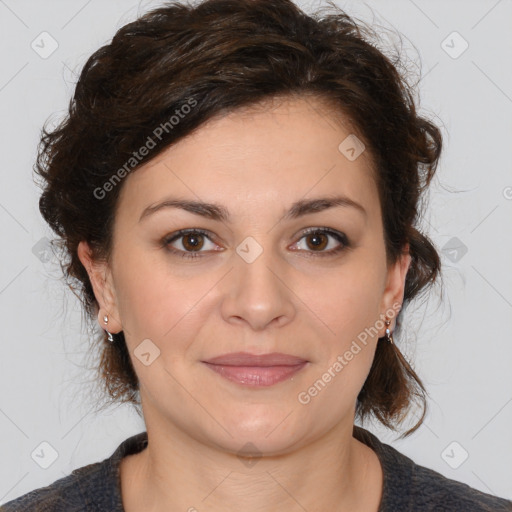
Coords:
237,188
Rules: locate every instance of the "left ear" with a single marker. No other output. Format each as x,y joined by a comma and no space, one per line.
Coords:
395,284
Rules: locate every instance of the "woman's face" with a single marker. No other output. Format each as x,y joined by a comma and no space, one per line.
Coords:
253,281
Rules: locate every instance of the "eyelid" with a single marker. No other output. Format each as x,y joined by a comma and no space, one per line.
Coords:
183,232
338,235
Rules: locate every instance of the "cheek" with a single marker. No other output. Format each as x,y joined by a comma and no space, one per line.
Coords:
346,301
149,301
170,308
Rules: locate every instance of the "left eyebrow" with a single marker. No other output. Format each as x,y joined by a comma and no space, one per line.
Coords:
305,206
218,212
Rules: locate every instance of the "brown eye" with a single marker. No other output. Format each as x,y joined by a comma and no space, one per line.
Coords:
317,241
189,243
322,242
193,241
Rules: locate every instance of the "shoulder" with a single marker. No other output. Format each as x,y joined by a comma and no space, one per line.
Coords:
95,487
437,492
409,486
66,494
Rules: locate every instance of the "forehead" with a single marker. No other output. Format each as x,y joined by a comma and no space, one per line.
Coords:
272,153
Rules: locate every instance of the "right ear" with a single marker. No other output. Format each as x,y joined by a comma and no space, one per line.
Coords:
102,283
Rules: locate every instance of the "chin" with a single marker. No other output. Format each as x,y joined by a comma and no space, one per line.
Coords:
267,432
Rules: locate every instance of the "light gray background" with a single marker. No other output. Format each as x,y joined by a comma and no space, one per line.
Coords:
460,343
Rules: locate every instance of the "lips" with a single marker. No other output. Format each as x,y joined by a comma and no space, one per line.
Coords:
246,359
256,370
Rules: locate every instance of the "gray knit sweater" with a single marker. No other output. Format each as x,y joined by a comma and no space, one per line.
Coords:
407,486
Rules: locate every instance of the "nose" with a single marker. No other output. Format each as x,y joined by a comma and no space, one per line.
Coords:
259,293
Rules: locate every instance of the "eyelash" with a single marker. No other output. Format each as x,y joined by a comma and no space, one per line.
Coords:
340,237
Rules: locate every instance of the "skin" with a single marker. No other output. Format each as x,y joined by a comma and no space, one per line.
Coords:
256,163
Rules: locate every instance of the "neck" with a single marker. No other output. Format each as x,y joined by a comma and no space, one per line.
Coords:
176,472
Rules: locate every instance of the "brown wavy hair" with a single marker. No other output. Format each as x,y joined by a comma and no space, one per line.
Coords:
224,55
